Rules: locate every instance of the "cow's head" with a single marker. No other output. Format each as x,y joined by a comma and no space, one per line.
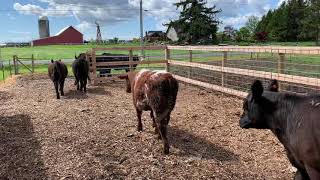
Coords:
257,108
128,84
274,86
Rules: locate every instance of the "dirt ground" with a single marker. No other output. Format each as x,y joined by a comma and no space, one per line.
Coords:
93,136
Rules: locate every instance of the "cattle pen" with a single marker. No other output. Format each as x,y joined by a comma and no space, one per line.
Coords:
93,135
228,69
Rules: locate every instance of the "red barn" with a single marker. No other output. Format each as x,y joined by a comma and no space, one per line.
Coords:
68,35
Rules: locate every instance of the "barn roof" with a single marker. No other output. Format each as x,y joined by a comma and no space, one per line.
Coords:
64,29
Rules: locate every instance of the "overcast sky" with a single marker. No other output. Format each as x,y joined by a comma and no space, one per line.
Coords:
118,18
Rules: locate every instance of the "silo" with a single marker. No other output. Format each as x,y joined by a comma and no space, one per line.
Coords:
44,30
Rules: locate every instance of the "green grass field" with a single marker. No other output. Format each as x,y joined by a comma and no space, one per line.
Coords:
68,52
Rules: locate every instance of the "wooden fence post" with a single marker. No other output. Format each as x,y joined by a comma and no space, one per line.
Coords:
281,67
32,63
94,66
2,67
225,58
167,58
10,67
131,59
190,60
15,65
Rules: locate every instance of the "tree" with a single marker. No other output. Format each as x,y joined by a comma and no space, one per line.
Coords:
243,35
252,24
196,21
311,24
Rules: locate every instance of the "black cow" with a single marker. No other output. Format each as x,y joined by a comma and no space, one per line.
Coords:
294,119
58,72
80,68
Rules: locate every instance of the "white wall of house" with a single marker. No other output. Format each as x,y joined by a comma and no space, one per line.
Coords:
172,34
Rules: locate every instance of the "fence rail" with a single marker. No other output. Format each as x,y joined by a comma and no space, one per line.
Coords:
254,49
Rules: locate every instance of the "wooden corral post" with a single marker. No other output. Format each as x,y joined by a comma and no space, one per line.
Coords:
32,63
190,60
257,57
10,68
94,66
131,59
281,67
2,67
225,58
251,55
167,58
15,65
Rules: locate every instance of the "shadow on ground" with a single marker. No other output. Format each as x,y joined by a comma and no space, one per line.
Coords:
191,145
20,156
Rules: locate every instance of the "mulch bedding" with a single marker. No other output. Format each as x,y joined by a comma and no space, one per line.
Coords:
93,136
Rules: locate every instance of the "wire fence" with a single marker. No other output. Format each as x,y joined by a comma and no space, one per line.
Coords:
229,70
235,70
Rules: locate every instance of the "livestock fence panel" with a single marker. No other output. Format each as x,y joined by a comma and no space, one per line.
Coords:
107,63
23,62
232,69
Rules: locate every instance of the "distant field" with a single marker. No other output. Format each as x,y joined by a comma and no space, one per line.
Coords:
68,51
52,52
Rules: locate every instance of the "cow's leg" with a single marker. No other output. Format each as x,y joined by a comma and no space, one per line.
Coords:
162,128
85,85
139,128
81,84
56,86
61,87
76,82
154,124
313,173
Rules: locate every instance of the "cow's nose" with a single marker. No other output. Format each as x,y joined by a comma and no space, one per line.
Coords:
244,122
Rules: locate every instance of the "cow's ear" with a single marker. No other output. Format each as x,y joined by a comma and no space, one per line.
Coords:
123,76
256,89
274,86
51,60
60,60
75,57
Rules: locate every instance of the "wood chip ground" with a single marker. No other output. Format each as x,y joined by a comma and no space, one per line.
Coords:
93,136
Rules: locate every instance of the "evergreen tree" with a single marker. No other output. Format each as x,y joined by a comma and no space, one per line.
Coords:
197,22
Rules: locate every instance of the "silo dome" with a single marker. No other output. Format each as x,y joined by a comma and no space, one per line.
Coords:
44,18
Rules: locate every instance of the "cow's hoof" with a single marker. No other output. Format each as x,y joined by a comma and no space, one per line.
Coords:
58,97
139,128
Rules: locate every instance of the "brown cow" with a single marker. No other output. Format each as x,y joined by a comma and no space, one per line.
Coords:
57,72
154,91
294,119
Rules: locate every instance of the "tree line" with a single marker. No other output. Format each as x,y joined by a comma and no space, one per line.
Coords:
294,20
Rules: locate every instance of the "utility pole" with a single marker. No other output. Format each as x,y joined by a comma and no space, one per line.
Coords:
141,30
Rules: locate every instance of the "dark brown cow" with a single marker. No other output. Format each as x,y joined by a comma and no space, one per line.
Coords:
58,71
80,68
154,91
294,119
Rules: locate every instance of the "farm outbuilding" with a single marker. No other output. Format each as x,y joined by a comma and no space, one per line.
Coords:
68,35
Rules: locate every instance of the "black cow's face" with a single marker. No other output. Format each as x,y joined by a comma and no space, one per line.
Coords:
253,113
